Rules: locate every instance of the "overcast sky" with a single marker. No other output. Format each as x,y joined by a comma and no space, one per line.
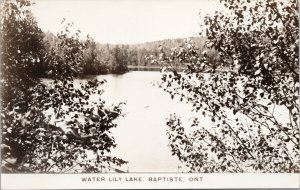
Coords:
126,21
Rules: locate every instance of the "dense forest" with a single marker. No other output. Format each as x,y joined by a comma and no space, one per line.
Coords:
56,127
118,58
59,128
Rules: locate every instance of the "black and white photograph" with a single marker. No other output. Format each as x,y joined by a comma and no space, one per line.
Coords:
140,87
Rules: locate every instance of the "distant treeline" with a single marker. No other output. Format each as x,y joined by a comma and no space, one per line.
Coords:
115,58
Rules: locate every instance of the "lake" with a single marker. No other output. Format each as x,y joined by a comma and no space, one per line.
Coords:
141,134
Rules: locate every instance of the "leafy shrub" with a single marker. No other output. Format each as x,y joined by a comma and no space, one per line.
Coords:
249,113
50,125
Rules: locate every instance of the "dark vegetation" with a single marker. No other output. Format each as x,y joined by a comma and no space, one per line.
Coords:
239,128
240,76
55,127
119,58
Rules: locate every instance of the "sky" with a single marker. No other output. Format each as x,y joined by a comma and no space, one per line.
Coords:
126,21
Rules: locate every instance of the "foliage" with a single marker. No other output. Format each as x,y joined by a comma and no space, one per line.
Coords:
57,126
121,59
98,58
145,52
19,61
248,114
92,59
101,58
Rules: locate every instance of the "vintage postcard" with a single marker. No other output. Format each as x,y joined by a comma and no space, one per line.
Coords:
124,94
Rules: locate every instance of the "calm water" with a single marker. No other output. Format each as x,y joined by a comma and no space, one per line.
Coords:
141,133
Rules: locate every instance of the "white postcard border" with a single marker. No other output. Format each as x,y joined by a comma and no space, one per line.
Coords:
149,181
